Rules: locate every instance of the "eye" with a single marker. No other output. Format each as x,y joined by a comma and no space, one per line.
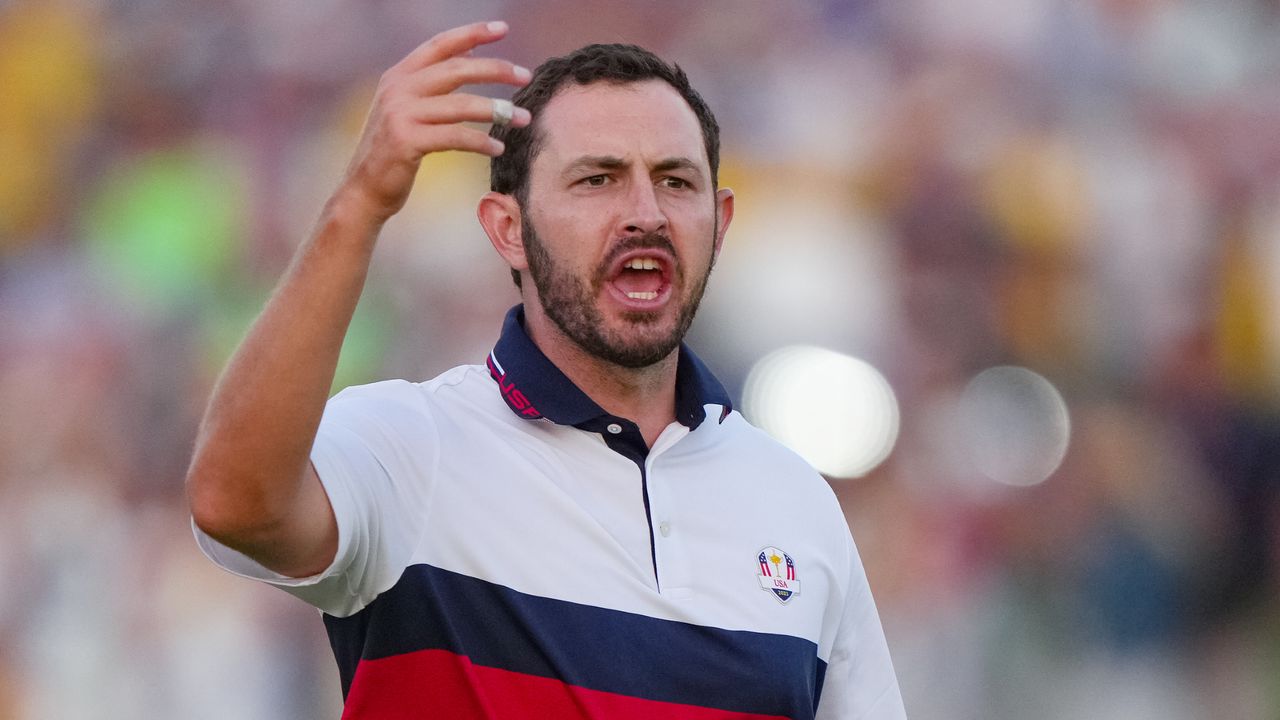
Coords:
675,183
595,180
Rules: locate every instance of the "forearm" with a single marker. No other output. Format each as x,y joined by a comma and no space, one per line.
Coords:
252,450
250,484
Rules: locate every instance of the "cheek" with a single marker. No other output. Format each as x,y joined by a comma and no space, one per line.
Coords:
575,237
697,213
702,236
565,249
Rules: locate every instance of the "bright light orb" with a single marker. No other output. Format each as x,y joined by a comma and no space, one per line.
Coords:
1014,424
835,411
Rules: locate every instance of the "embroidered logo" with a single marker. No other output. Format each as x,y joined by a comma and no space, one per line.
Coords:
778,574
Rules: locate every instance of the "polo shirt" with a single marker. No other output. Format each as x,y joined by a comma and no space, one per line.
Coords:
507,549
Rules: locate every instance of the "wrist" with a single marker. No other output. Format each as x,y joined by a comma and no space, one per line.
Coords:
352,213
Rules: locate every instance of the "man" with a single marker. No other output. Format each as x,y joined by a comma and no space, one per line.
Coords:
582,527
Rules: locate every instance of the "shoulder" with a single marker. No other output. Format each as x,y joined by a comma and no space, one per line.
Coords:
402,403
752,445
451,384
773,468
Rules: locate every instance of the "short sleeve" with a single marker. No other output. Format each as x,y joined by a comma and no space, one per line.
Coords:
860,683
375,454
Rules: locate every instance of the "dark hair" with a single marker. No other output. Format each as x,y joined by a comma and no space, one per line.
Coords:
611,63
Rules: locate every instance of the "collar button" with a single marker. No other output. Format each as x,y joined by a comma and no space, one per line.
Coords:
614,428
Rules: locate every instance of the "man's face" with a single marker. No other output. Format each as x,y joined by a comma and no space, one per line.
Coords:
620,225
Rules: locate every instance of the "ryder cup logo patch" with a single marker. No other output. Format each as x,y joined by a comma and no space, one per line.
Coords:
778,574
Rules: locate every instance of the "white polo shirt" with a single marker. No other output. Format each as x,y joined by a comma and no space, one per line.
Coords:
509,550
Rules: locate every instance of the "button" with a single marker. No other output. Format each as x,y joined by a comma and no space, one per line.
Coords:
664,527
614,428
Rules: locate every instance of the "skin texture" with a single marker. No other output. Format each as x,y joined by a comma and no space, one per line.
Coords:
622,171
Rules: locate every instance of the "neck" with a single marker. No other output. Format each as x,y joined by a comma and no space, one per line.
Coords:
645,396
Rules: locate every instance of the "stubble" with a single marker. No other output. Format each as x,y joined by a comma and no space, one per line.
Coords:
570,301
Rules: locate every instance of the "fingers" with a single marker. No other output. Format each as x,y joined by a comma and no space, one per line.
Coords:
460,107
455,41
435,138
416,111
449,75
432,124
443,73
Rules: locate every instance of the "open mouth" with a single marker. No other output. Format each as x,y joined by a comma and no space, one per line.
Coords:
642,278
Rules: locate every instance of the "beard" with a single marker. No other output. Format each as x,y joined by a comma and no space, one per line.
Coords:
570,301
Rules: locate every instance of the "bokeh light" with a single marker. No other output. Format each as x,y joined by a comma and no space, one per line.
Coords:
836,411
1014,425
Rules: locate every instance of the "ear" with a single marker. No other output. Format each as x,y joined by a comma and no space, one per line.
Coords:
499,215
724,215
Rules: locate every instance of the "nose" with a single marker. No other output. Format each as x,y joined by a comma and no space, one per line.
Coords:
642,213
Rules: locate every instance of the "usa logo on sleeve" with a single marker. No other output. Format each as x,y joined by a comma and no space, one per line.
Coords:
778,574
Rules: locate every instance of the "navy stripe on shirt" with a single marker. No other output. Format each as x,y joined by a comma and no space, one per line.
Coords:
596,648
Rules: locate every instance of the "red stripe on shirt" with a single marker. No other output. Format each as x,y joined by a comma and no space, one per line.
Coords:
438,683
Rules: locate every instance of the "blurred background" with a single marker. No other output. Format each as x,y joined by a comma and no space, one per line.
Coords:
1036,243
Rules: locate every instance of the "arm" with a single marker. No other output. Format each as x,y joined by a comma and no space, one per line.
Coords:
251,485
860,681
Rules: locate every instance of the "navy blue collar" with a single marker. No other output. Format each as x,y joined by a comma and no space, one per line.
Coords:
535,388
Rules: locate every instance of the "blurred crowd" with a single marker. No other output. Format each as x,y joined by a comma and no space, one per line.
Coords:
1086,188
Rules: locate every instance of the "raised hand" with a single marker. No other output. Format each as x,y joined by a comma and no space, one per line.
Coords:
417,111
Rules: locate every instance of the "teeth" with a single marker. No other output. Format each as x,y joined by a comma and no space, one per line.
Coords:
642,295
641,264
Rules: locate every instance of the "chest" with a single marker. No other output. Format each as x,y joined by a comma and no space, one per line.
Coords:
694,532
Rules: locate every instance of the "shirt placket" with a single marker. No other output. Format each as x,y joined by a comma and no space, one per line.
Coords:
671,563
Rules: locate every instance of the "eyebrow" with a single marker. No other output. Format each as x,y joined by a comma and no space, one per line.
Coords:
612,162
676,163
